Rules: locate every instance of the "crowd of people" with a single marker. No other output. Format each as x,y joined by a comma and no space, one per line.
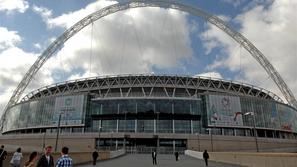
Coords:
45,160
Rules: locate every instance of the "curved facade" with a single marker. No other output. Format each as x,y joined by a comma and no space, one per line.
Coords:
141,104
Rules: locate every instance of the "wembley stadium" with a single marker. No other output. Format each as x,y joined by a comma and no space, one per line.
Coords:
145,112
164,111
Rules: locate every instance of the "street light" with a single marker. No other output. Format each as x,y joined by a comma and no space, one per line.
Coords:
157,124
211,141
125,128
111,141
198,140
255,131
58,131
43,140
99,137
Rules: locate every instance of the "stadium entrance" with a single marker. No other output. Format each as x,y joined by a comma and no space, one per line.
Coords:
144,145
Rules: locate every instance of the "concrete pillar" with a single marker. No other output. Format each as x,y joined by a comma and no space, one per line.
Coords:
192,127
173,127
154,125
117,130
116,144
135,126
173,146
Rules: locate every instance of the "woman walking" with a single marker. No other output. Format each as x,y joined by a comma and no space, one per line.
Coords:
16,158
32,160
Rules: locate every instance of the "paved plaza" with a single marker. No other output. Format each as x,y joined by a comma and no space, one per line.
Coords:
145,160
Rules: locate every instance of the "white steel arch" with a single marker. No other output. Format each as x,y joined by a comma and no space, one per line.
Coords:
59,42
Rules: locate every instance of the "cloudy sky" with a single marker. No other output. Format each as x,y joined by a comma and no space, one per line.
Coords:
146,40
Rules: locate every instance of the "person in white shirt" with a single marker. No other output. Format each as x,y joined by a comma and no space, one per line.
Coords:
16,158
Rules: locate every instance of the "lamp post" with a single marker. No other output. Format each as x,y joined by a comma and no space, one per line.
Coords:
255,131
125,130
99,133
157,124
111,144
58,131
198,141
43,140
211,140
125,122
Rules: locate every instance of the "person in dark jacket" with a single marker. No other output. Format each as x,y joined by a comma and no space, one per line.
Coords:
154,156
3,155
205,157
46,160
95,155
176,156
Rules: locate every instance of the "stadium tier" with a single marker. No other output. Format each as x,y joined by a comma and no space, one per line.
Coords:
151,104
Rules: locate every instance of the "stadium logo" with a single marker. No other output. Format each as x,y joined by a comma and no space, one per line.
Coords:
68,102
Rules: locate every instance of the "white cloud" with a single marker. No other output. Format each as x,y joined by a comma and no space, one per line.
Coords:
10,6
212,74
14,63
235,3
68,19
132,41
273,30
8,38
37,45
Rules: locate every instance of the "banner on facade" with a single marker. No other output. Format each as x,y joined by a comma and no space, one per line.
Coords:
71,110
224,111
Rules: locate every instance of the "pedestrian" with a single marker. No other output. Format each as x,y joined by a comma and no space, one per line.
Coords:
205,157
3,155
32,159
176,156
46,160
16,158
64,160
95,156
154,156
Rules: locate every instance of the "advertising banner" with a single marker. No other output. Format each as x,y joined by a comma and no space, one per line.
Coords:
224,111
71,109
287,118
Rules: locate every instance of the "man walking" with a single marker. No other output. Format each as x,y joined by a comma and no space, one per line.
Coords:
64,160
95,156
154,156
46,160
3,155
205,157
176,156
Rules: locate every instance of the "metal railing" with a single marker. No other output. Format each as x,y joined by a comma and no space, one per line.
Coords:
160,150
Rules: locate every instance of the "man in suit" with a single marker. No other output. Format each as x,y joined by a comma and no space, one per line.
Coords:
46,160
154,156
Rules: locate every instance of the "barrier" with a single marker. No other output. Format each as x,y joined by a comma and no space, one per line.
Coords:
251,159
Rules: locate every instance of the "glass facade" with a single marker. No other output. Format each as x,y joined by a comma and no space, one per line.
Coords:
267,114
146,126
168,106
45,112
210,114
148,115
